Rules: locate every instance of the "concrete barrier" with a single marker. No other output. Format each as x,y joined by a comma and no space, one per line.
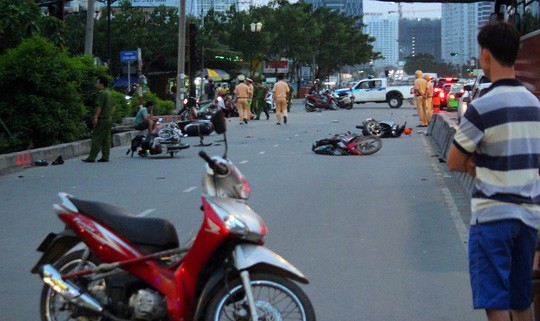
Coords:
442,130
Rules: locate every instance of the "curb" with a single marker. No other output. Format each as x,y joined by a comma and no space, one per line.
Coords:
20,160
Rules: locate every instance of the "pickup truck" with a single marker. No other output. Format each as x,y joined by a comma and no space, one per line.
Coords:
377,90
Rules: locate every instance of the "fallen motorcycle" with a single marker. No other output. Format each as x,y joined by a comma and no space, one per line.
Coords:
382,129
347,144
166,141
108,264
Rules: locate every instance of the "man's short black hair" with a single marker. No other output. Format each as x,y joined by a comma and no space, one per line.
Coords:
150,103
502,40
103,80
280,77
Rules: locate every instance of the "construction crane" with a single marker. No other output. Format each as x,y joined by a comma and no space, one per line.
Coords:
400,12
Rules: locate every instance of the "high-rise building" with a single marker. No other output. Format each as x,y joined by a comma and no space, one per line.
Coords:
460,23
420,36
348,7
198,7
385,30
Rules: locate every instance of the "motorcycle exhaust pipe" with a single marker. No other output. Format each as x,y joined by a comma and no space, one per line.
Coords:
68,290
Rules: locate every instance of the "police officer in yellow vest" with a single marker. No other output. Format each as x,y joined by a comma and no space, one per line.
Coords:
241,92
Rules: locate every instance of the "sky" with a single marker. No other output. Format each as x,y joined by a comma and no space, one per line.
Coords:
409,10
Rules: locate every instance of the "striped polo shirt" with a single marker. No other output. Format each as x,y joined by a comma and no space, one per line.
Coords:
502,129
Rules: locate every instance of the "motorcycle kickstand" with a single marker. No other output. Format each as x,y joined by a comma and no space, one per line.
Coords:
246,282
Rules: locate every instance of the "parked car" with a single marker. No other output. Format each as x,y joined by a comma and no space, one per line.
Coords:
452,100
479,87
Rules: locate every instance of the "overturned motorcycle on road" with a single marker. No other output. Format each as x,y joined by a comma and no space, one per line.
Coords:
347,144
383,129
167,140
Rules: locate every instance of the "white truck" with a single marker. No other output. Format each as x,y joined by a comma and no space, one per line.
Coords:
377,90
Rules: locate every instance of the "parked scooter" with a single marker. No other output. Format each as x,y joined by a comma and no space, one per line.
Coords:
344,100
133,268
324,101
167,140
347,144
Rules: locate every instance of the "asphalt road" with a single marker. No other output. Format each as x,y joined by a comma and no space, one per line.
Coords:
381,237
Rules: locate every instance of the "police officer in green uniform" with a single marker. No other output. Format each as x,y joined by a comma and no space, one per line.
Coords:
259,99
102,121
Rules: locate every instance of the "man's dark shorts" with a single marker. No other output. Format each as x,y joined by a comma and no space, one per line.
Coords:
142,126
500,264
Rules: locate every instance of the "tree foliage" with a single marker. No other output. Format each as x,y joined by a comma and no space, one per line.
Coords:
426,63
44,106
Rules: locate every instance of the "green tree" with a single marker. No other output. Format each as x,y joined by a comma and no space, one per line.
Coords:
20,20
342,42
44,104
426,63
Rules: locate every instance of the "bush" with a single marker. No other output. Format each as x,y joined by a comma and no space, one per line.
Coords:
41,102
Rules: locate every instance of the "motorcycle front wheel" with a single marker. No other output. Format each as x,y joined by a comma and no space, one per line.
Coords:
53,307
276,298
368,145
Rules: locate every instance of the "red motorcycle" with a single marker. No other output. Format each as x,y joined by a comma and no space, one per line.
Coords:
133,268
320,101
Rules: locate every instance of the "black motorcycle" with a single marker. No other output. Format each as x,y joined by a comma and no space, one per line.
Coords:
382,129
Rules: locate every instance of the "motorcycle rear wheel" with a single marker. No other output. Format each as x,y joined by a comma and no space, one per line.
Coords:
276,297
55,308
373,128
368,145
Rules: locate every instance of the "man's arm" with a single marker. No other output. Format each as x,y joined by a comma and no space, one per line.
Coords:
459,161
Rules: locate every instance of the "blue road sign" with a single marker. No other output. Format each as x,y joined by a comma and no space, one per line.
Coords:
128,56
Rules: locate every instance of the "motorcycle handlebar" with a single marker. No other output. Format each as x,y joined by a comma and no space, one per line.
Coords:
218,168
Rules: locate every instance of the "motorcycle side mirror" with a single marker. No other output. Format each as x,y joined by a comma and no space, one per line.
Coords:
218,121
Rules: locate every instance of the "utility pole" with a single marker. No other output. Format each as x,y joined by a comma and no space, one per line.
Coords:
89,35
180,81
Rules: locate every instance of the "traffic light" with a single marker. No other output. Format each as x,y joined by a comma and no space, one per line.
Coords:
454,54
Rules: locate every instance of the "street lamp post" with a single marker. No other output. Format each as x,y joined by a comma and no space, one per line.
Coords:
254,27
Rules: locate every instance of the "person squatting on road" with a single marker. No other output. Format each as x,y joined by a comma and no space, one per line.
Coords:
420,85
428,99
281,89
241,92
498,143
102,122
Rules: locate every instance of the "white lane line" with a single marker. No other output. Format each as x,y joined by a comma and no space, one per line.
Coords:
276,145
187,190
144,213
244,161
261,153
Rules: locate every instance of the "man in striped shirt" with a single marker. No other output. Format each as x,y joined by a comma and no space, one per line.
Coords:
498,142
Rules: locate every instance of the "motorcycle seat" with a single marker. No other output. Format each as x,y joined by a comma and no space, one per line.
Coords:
148,234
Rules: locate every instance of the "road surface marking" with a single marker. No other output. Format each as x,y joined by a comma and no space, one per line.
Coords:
144,213
244,161
187,190
261,153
